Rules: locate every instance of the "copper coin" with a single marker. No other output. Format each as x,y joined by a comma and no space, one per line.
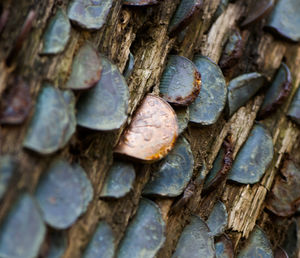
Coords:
152,132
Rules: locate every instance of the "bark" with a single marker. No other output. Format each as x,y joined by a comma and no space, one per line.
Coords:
144,32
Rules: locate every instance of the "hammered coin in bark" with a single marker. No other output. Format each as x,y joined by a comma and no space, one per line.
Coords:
218,219
174,172
152,132
291,242
102,244
294,109
233,50
119,180
22,231
86,68
258,10
184,14
215,170
257,245
89,14
280,253
253,158
224,247
63,194
241,89
211,100
285,20
8,167
140,2
145,234
105,106
16,103
282,200
180,82
195,241
183,118
277,92
57,243
57,33
53,122
129,66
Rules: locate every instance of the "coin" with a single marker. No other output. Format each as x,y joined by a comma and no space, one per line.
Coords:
152,132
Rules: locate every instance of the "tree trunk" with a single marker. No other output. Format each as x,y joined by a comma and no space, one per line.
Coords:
143,31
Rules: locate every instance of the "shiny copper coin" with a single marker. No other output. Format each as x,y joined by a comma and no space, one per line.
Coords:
152,132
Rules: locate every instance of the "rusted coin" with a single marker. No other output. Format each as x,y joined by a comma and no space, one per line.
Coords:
258,10
152,132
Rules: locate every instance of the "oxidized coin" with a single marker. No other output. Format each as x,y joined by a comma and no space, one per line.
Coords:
277,92
291,241
16,103
22,231
86,68
218,219
181,82
241,89
233,50
145,234
285,20
284,198
57,33
195,241
257,245
152,132
89,14
183,15
224,247
257,11
102,244
140,2
294,109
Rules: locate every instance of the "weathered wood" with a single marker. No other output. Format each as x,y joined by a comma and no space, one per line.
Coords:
143,31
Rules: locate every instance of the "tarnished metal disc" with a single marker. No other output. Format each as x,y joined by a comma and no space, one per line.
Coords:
86,68
16,102
291,240
105,106
277,92
152,132
257,11
183,118
53,122
183,15
243,88
57,33
145,234
102,244
224,247
140,2
195,241
89,14
285,20
257,245
180,82
119,180
174,172
285,192
253,158
63,194
218,219
280,253
294,109
211,100
233,50
23,230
